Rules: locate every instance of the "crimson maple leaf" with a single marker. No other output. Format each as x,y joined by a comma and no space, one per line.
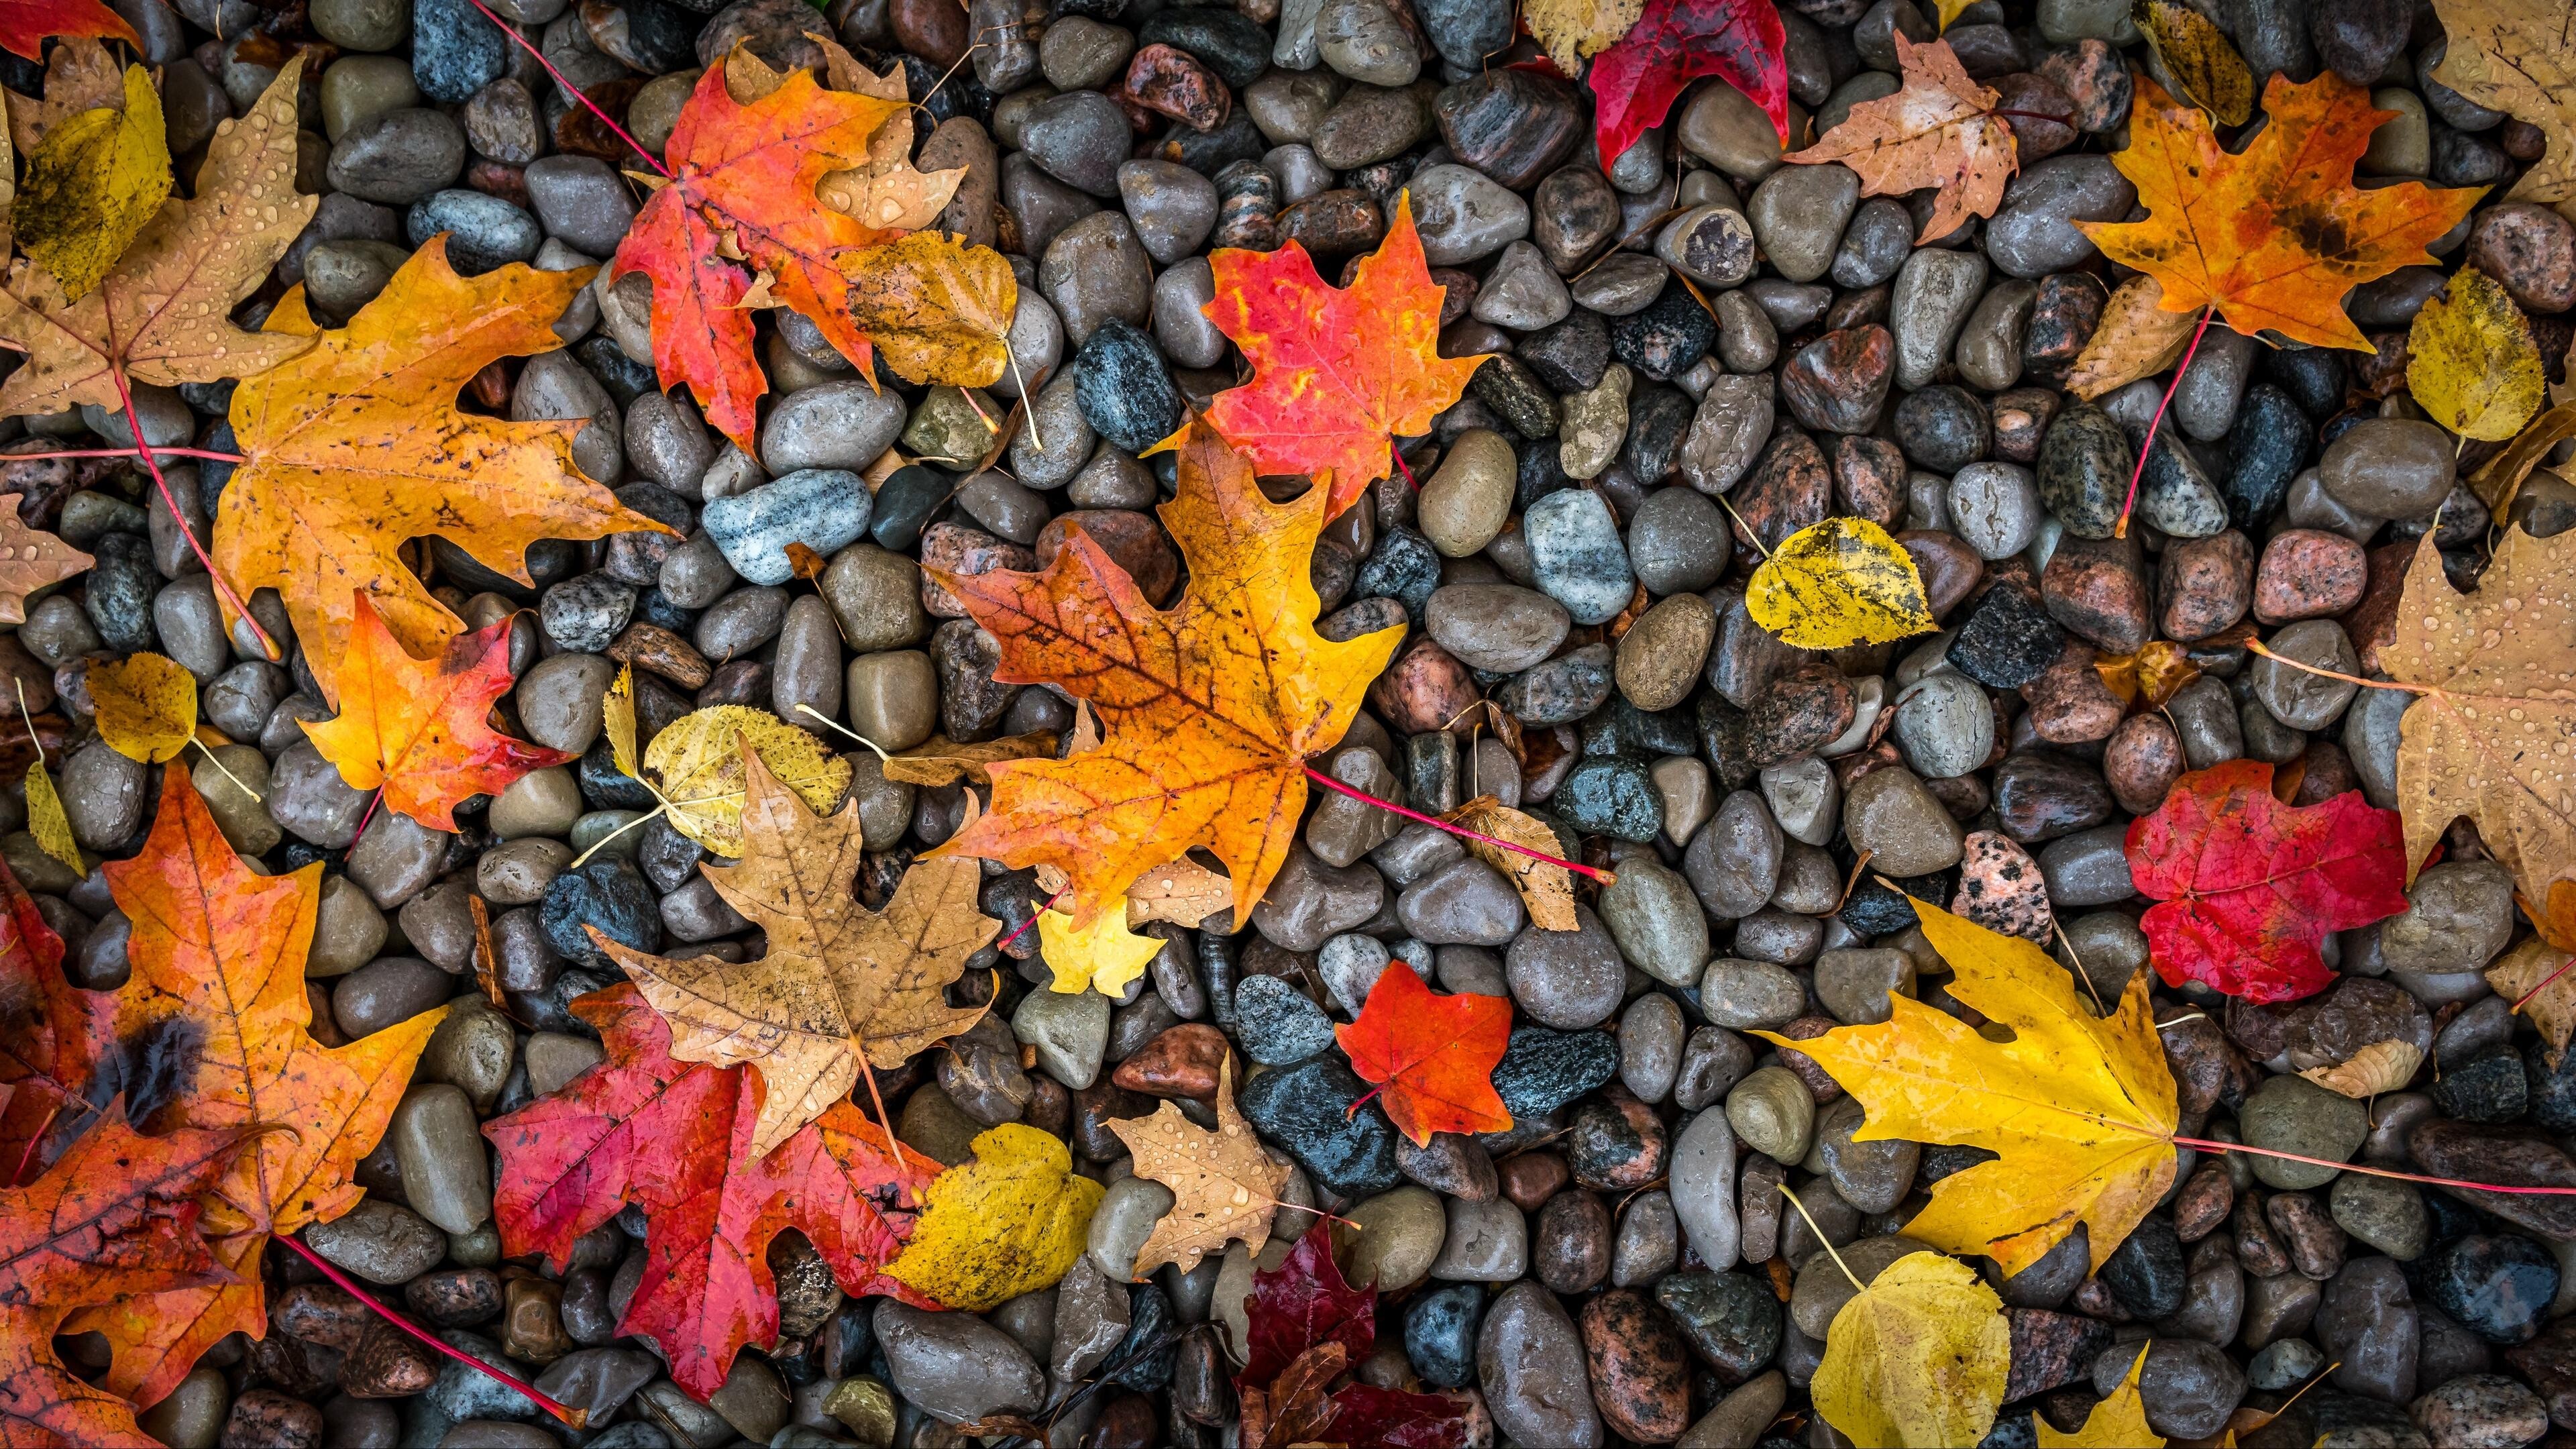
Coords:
1435,1054
2248,886
52,1037
1674,42
1304,1314
25,24
675,1139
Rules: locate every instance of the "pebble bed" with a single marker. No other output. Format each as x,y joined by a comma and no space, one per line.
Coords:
1567,559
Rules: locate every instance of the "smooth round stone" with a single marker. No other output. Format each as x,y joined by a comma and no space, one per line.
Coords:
1463,216
1530,1360
1567,979
1657,921
2296,697
839,426
1995,508
1181,296
1069,1033
824,509
1576,555
1466,502
445,1171
2390,468
1746,995
1079,138
1945,725
397,157
1124,1219
955,1366
2292,1114
1465,902
1279,1025
1172,207
1396,1238
1798,214
1906,829
1773,1113
2458,916
1659,658
2033,233
893,697
1678,542
1702,1185
380,1241
1485,1242
1499,628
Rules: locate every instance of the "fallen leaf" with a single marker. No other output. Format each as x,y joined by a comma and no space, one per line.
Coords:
2382,1066
2471,360
2136,338
1297,1407
938,309
79,76
117,1215
2494,735
48,823
1183,892
358,446
26,24
2080,1108
1224,1183
31,559
1102,956
1433,1055
163,315
2533,975
53,1036
885,191
1951,10
2501,477
1917,1359
1336,374
418,729
1573,31
1211,708
2247,886
2518,58
147,706
840,985
2275,236
741,198
2196,54
1838,583
674,1138
1301,1304
1943,131
2158,670
2118,1422
1674,42
1308,1324
1546,888
696,764
937,761
1010,1222
217,953
91,187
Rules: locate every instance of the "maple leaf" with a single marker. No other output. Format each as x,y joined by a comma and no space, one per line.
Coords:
1302,1303
840,986
2520,58
1210,707
417,727
1918,1355
1674,42
218,993
53,1035
2248,886
31,559
1941,131
26,24
357,446
2080,1108
1224,1183
1010,1222
1102,956
1336,373
1434,1054
162,315
2274,237
2118,1422
116,1216
1307,1325
675,1139
2494,734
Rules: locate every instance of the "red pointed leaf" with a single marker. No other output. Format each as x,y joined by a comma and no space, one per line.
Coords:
25,24
1635,82
52,1036
2249,885
1301,1303
1435,1054
1368,1417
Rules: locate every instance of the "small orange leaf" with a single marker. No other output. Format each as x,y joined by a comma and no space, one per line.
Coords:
1435,1055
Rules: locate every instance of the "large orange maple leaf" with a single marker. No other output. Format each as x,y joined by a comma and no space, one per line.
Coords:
2272,238
418,727
218,995
1336,374
357,446
1209,709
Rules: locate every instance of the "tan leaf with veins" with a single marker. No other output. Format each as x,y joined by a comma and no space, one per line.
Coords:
2382,1066
1940,131
2519,57
1183,893
2521,972
2136,338
936,761
79,76
30,558
1547,889
1224,1183
841,985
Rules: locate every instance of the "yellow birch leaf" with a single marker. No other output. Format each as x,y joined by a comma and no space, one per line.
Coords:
1573,30
2382,1066
1103,958
1951,10
2118,1422
1546,888
697,763
94,183
2136,338
617,712
1838,583
939,310
2208,71
1010,1222
2472,362
147,707
47,822
1917,1358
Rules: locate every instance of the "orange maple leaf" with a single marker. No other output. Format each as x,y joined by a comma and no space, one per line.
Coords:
1209,709
2272,238
417,727
741,197
357,446
1940,131
117,1215
1435,1054
218,958
1336,374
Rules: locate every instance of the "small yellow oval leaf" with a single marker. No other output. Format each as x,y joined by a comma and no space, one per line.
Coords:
1917,1358
938,309
2207,70
1010,1222
147,707
47,822
1573,30
92,184
697,759
1104,958
2472,362
1838,583
2136,338
2118,1422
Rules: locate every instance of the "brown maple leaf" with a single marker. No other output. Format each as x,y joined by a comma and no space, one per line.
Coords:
1942,131
1224,1183
79,76
30,559
841,986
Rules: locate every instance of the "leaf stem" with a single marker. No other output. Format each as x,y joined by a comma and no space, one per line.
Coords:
211,454
2147,448
1750,536
578,93
179,520
576,1418
1401,466
1329,783
833,724
2256,646
229,775
2514,1190
1857,1285
2525,999
662,809
1044,906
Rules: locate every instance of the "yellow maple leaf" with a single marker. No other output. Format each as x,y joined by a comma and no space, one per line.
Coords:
1103,956
2118,1422
1010,1222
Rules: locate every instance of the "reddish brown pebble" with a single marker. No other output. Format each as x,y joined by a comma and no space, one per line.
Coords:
1172,83
1950,568
1820,1083
2142,761
320,1313
2000,888
1423,690
2308,573
390,1364
2531,250
1333,222
2206,583
1530,1179
1640,1379
266,1419
2097,588
2021,416
2328,773
2092,75
935,30
2207,1197
2373,622
1789,488
2069,702
652,647
1570,1242
1182,1062
965,551
1869,479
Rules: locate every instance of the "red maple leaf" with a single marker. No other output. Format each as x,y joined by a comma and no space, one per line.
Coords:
25,24
2248,886
675,1139
1305,1304
52,1036
1435,1054
1337,374
1674,42
741,197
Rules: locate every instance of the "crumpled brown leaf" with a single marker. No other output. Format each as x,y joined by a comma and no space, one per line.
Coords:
2382,1066
1546,889
2136,338
936,761
1224,1183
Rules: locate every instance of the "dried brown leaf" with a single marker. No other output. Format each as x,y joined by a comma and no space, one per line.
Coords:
2382,1066
2136,338
1224,1183
1547,889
